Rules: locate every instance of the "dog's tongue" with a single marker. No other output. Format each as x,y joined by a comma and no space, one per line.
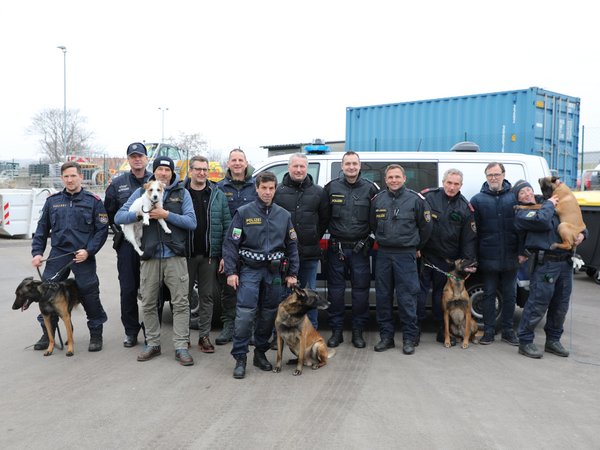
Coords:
25,305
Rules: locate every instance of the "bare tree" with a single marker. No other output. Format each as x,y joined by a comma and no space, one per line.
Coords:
191,144
48,124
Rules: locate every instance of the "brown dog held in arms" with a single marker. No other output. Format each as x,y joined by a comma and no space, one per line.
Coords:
456,306
295,330
52,297
567,208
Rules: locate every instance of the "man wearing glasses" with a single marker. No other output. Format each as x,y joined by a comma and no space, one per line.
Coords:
497,251
213,219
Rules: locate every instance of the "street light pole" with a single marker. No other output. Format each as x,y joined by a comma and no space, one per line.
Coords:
162,136
64,127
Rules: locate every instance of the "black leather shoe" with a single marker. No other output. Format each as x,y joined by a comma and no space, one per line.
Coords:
239,371
384,344
42,343
130,341
556,348
510,338
530,350
357,339
440,338
95,343
337,337
261,361
408,348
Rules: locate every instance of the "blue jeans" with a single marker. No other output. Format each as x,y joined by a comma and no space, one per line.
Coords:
549,291
307,277
397,272
359,270
506,282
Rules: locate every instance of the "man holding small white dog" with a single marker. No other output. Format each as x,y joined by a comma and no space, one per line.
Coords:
164,259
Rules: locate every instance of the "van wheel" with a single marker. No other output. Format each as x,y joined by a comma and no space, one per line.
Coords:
476,294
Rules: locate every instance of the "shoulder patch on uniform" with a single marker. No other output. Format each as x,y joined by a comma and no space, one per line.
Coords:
103,218
531,214
473,226
293,235
427,215
236,234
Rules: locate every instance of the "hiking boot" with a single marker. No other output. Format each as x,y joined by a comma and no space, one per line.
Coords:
239,371
408,347
510,338
42,343
487,338
95,343
384,344
337,337
183,356
205,345
150,351
226,334
556,348
357,339
530,350
261,361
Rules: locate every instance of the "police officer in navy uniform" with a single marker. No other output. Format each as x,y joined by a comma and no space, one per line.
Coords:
77,223
454,237
128,261
551,279
261,242
401,221
350,200
238,186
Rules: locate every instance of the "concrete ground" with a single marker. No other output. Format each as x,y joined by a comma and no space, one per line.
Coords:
479,398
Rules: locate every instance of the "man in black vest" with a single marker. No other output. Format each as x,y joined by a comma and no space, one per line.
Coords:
128,261
164,260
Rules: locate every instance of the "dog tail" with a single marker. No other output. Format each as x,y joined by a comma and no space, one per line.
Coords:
331,353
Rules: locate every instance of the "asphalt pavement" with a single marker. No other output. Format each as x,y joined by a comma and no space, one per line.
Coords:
484,397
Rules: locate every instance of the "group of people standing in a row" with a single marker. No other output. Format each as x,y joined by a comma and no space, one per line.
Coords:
248,239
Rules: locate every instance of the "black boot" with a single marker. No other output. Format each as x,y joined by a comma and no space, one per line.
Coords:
261,361
44,341
95,340
337,337
240,367
357,339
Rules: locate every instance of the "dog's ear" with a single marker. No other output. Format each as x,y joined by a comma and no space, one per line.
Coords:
299,291
147,185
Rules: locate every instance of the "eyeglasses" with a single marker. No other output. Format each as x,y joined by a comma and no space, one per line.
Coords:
200,169
494,175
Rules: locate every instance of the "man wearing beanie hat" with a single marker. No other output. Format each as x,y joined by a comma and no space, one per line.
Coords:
497,251
551,272
164,260
128,261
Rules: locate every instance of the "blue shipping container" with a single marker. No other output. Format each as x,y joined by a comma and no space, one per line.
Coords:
532,121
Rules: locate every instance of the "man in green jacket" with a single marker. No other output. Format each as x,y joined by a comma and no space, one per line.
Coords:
213,218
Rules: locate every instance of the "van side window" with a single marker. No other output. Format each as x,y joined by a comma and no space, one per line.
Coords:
419,175
281,169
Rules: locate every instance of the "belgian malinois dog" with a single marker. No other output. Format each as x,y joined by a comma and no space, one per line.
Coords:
58,297
295,330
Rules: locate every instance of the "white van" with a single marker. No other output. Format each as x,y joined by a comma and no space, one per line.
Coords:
425,169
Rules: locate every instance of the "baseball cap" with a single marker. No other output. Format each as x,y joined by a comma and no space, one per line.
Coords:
136,147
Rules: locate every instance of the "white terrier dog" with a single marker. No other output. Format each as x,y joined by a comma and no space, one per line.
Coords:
152,198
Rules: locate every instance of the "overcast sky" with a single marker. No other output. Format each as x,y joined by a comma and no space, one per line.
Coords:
253,73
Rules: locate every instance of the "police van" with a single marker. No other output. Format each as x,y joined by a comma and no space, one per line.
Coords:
423,170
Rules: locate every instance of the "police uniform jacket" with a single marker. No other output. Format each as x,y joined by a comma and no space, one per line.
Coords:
350,205
77,221
218,220
454,232
540,228
309,208
497,246
238,193
119,191
401,220
155,243
259,234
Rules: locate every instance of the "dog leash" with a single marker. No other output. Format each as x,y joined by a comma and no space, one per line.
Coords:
449,275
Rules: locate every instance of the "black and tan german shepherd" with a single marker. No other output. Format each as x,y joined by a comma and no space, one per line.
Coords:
53,297
294,328
456,305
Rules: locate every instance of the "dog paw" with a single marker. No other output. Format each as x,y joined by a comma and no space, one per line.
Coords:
47,353
447,344
297,372
276,369
167,231
70,353
146,222
465,345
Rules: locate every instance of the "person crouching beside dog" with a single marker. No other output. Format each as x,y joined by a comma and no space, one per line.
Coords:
77,224
401,221
260,241
164,260
551,273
